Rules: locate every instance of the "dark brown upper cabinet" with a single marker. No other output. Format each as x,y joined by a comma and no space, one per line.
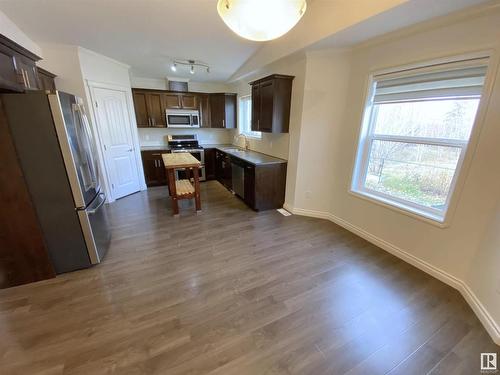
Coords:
149,109
216,110
46,79
189,101
175,100
172,101
18,70
156,110
204,102
271,98
223,111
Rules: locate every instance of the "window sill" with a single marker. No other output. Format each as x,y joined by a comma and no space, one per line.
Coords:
436,220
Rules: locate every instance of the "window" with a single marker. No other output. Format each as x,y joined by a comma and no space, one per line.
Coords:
245,117
416,129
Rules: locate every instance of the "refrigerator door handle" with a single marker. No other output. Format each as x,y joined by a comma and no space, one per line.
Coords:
80,110
93,210
93,145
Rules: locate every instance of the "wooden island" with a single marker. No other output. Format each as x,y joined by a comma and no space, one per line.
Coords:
183,189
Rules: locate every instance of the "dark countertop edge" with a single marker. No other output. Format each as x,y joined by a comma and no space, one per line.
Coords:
221,147
155,148
275,161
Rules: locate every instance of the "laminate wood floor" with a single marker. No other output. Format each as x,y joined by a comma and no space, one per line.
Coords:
231,291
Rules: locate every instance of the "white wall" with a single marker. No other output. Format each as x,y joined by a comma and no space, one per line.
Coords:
100,68
11,31
63,60
449,249
324,104
335,88
483,276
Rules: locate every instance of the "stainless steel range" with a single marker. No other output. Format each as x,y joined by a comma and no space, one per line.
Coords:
188,143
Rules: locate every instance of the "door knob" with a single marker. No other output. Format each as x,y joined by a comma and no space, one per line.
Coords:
130,149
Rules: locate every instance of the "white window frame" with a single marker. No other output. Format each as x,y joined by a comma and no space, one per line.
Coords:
247,132
440,218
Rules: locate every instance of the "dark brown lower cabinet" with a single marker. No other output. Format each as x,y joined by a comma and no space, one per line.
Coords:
269,186
219,166
223,171
210,163
249,183
228,172
264,184
154,169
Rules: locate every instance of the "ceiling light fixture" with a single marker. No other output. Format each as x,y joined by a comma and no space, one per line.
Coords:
192,64
261,20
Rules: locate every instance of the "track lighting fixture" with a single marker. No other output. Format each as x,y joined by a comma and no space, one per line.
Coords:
192,64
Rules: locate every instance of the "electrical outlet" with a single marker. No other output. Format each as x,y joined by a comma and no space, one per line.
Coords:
271,144
308,194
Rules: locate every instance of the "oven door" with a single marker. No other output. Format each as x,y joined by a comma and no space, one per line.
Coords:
198,154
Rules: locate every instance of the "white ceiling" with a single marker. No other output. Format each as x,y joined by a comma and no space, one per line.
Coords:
149,34
145,34
342,23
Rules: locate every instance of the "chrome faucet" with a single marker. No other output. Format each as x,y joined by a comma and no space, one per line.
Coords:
247,142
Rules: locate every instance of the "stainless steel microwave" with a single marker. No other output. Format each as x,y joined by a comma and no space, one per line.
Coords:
181,118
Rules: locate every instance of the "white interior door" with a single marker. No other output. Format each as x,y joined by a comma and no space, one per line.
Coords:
116,134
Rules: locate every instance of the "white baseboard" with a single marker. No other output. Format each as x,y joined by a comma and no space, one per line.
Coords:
482,313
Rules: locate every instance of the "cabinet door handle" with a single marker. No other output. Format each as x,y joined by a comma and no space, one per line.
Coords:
24,78
223,123
153,120
27,78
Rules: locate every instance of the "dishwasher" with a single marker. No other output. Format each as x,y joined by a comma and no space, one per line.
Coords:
238,177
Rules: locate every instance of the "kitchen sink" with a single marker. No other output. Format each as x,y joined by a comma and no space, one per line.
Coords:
234,150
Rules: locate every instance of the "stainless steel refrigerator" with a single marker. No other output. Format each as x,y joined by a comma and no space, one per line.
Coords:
57,153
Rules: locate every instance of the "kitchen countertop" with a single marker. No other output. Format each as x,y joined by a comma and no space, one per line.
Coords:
252,157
